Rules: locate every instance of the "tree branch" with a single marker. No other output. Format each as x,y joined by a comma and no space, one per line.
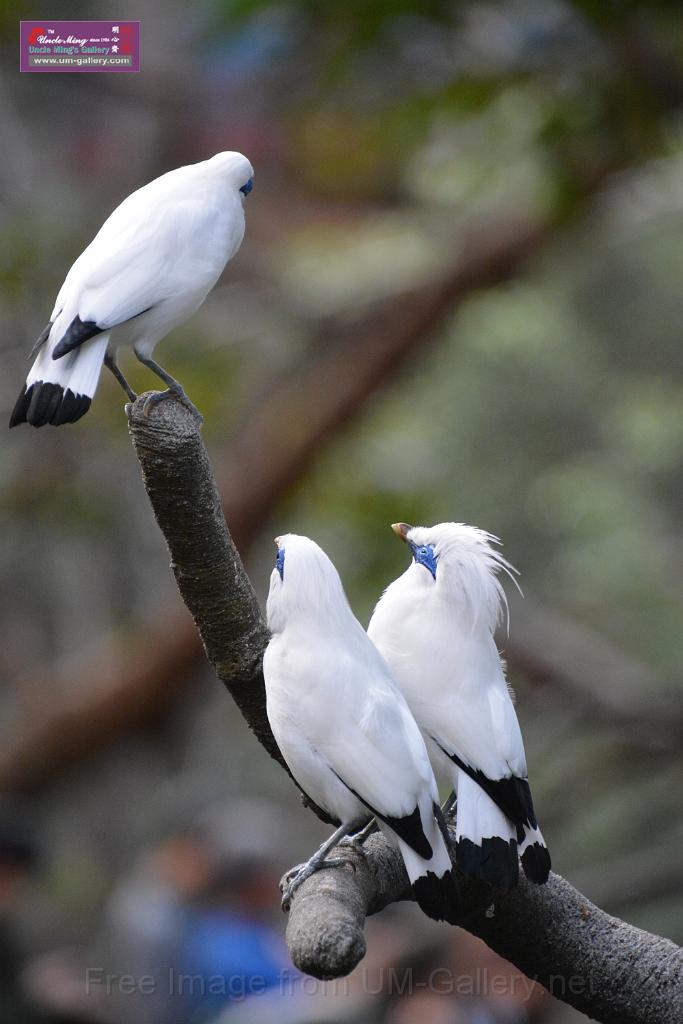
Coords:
205,562
207,568
609,969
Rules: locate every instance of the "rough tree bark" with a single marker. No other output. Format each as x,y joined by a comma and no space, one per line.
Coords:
205,562
612,971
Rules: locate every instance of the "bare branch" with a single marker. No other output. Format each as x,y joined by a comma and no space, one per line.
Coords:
208,570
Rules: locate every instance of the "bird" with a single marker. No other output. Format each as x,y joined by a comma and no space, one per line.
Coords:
435,625
147,270
344,730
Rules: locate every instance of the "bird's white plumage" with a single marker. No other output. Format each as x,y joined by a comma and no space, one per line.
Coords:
78,370
436,633
437,637
339,719
149,267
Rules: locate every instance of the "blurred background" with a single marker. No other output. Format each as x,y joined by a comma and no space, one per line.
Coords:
459,298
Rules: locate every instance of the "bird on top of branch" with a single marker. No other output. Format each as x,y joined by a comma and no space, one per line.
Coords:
344,729
149,267
434,625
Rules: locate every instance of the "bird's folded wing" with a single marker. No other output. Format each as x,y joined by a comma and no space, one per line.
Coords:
483,731
508,735
381,756
135,261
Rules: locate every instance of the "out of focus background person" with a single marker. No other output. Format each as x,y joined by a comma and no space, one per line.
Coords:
197,916
458,299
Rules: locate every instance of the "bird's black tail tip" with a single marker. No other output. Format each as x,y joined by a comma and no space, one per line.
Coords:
439,898
44,402
494,860
536,863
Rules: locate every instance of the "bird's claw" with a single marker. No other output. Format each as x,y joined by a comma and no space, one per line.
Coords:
292,881
335,862
296,875
286,900
160,396
292,873
353,843
356,839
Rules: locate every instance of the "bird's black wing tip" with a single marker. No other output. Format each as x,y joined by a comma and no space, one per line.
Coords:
78,332
511,794
408,828
40,341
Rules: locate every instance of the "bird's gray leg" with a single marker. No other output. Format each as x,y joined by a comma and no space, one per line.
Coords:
111,364
449,804
358,838
174,388
293,879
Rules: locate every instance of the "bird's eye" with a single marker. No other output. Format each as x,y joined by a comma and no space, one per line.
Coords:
425,555
280,562
246,189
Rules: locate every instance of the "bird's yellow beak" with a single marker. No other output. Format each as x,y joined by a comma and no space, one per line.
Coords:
401,530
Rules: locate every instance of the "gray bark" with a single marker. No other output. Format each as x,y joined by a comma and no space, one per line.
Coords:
206,564
604,967
610,970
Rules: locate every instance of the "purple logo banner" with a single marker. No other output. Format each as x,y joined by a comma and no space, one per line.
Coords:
47,45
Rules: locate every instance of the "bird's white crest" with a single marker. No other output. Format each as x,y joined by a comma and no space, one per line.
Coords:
467,570
233,166
310,587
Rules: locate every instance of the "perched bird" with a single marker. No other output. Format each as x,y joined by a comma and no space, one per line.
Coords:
343,727
149,267
434,625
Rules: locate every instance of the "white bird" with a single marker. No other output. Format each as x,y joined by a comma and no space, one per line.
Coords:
343,727
149,267
434,625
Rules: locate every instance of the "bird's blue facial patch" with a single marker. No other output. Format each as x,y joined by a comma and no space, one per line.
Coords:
246,189
425,555
280,562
